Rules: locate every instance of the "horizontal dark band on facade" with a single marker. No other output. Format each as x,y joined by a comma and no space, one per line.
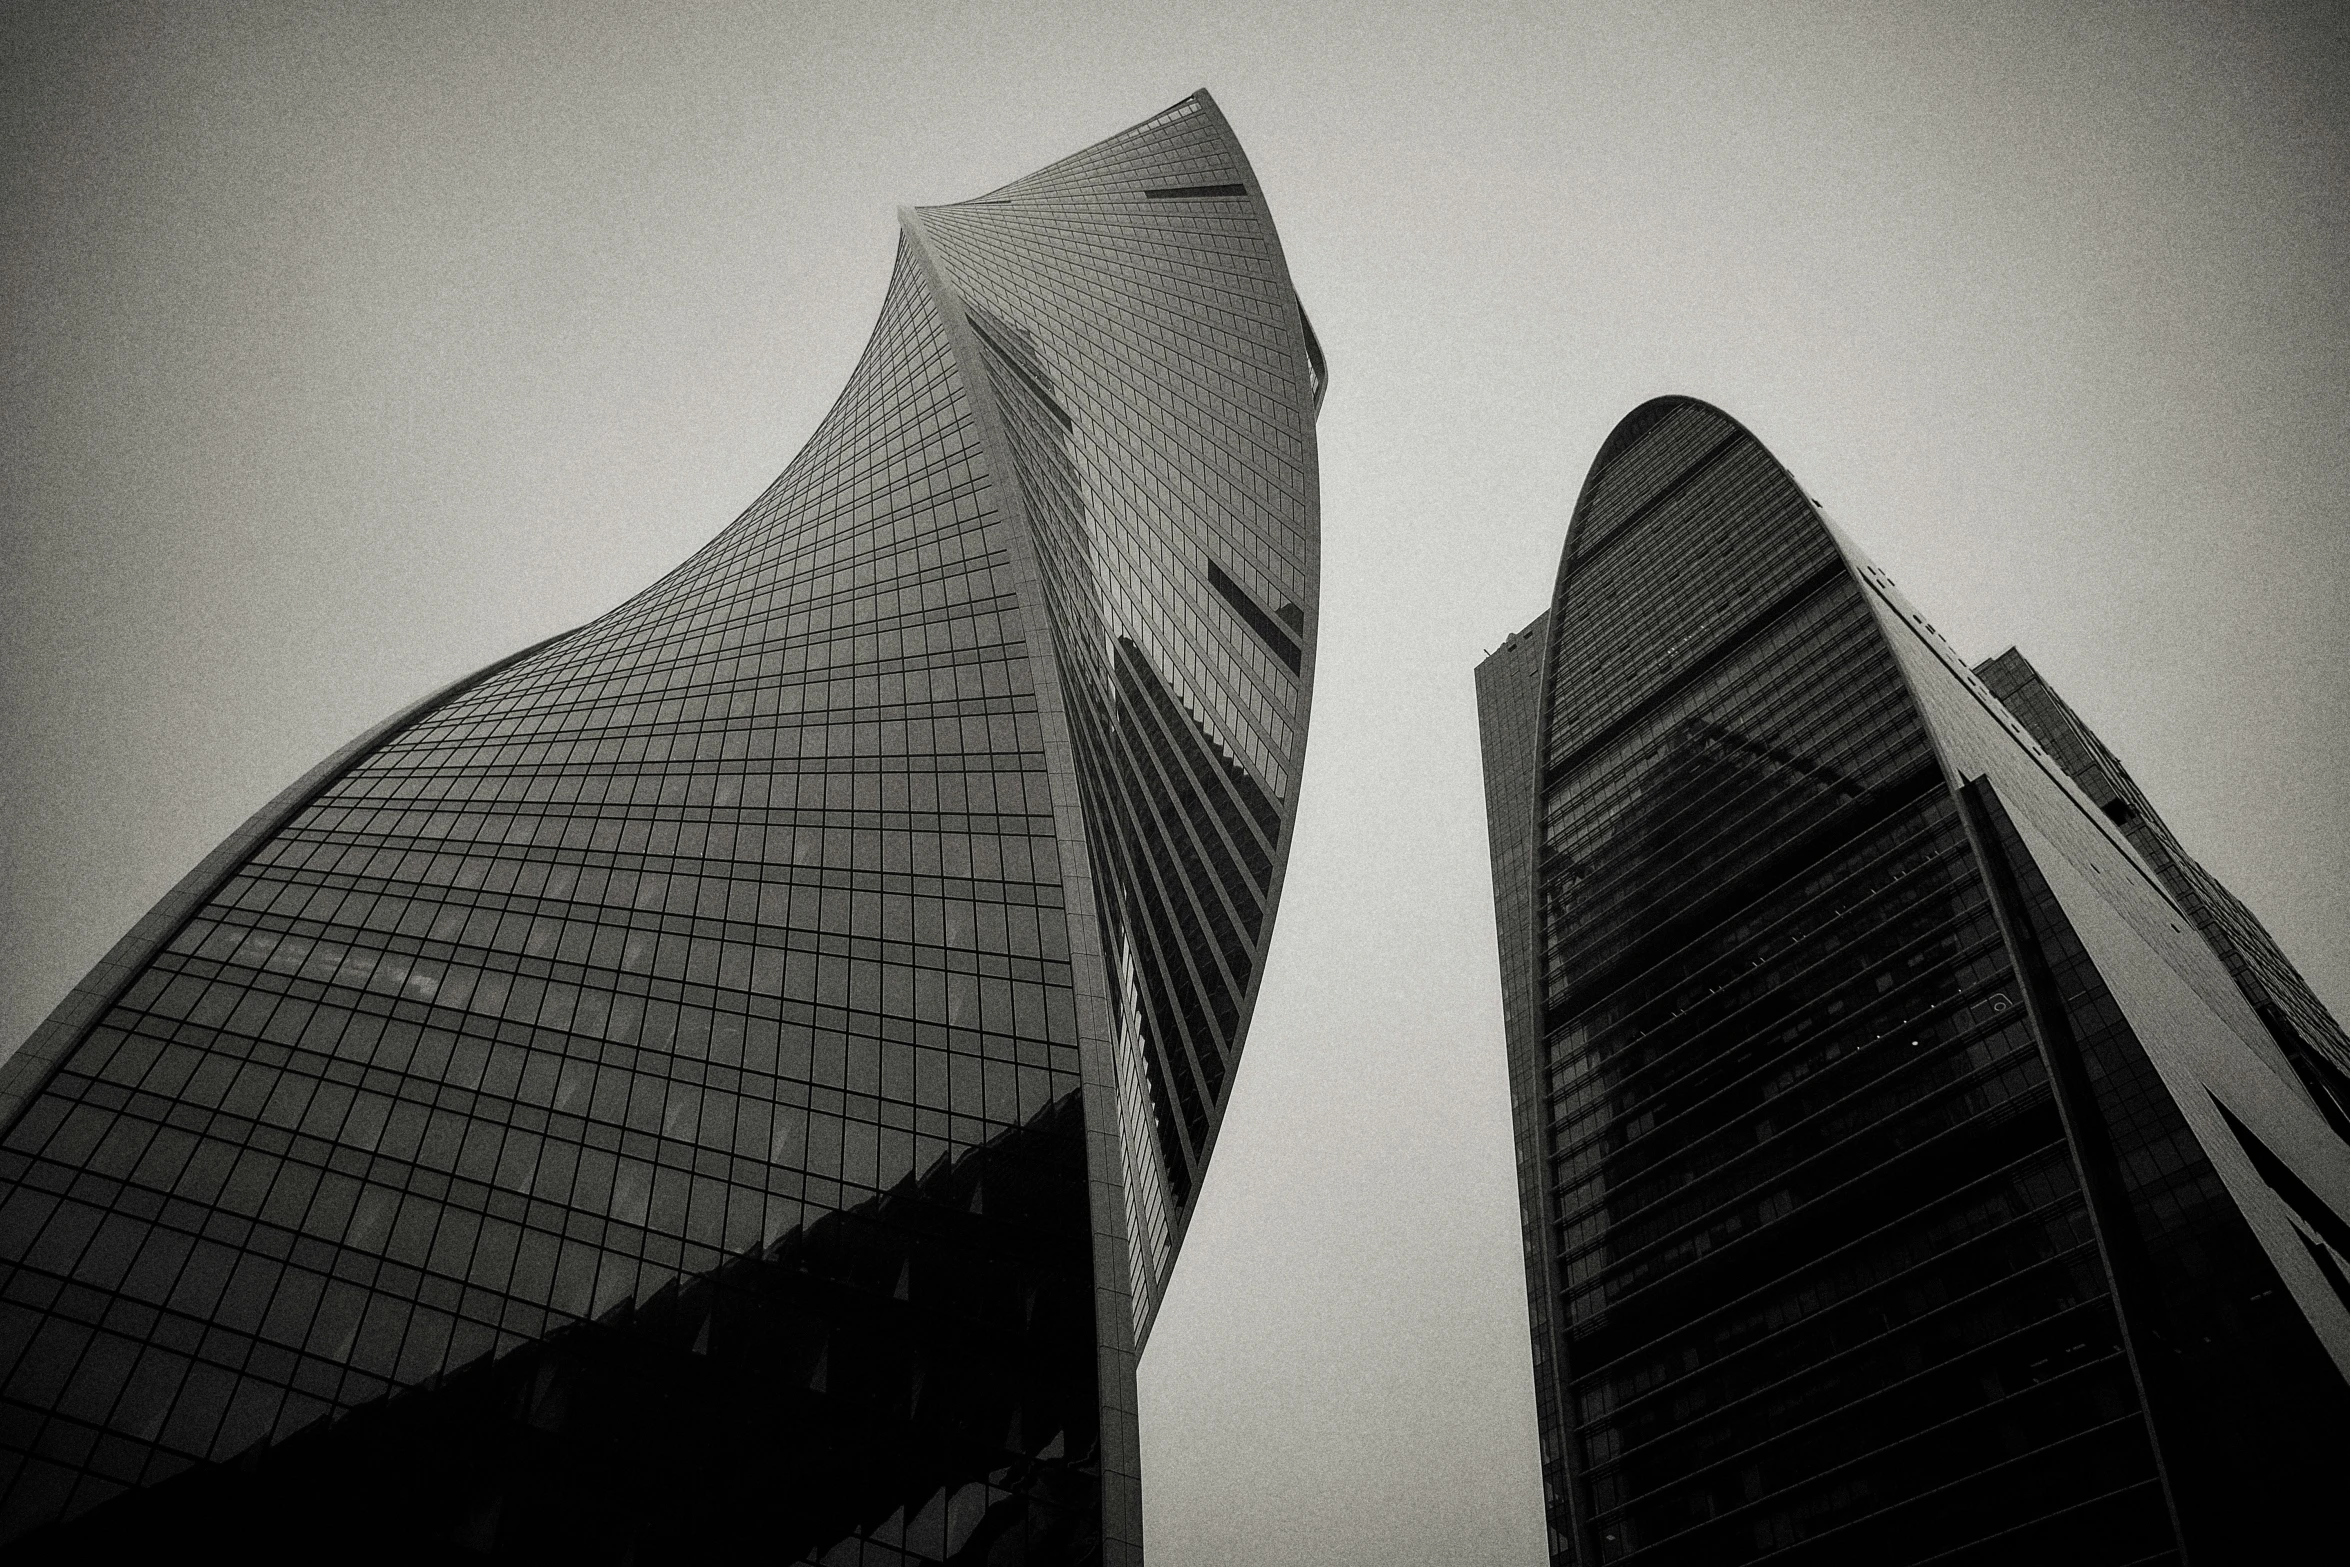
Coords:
685,997
669,862
742,930
758,1056
2089,1308
2021,1051
754,1069
1882,1016
1582,1140
797,856
1194,192
1262,624
768,727
1006,824
307,942
1763,619
398,1173
1745,1511
778,601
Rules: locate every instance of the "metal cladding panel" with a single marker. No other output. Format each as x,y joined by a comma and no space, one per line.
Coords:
2193,1021
2203,1062
667,1098
2316,1046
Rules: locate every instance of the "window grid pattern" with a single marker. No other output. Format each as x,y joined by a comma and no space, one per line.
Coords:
1670,586
702,984
2220,1347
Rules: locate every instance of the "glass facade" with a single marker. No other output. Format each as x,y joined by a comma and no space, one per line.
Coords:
732,1079
1876,1186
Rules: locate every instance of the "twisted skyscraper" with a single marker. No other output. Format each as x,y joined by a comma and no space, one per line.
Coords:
729,1082
1919,1162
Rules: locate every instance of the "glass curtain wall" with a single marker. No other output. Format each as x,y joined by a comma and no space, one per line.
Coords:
680,1091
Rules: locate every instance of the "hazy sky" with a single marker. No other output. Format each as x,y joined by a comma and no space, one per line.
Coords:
350,347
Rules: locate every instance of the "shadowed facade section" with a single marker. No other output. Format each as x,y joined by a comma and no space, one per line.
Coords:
866,1376
737,1072
1904,1179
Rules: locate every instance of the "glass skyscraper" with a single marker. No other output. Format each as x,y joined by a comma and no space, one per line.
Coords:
1918,1162
729,1082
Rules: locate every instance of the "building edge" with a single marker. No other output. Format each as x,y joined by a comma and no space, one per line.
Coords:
1114,1350
28,1070
1309,376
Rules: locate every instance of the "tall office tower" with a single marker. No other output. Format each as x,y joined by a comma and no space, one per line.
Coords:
1905,1179
728,1083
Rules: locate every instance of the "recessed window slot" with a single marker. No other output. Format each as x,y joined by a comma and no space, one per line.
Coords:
1261,623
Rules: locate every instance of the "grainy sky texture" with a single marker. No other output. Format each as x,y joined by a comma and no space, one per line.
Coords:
351,347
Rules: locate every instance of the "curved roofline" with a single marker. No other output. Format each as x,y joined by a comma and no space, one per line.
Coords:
1633,424
1636,423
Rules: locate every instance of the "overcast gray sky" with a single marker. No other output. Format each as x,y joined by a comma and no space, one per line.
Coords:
351,347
